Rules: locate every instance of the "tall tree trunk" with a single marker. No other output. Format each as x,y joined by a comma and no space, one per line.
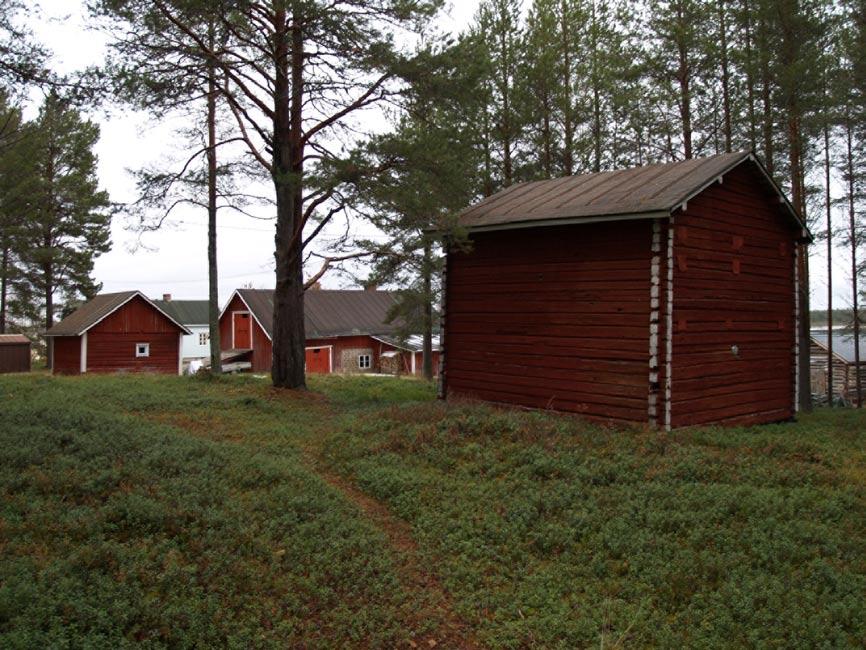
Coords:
828,203
287,369
596,93
48,288
507,124
428,311
852,225
567,117
547,135
488,188
766,99
684,80
4,287
790,55
213,278
750,76
726,91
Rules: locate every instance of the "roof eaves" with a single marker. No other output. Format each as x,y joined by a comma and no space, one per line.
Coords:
735,162
564,221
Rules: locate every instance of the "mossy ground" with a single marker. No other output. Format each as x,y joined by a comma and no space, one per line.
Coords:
163,511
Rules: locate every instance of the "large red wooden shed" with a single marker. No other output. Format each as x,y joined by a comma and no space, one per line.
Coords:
117,332
664,294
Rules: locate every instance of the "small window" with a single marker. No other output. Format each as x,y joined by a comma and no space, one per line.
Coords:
142,349
363,361
203,338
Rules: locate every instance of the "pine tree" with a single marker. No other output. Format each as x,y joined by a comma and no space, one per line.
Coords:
17,176
677,60
158,68
426,178
540,90
68,218
499,27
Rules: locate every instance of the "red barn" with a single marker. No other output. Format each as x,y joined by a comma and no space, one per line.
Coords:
664,294
117,332
347,331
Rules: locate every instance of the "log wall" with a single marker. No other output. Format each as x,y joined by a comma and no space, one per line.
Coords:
554,317
733,309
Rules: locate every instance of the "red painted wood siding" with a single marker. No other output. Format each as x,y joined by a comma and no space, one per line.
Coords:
262,354
262,351
111,343
115,352
554,317
67,355
318,360
15,357
419,363
733,286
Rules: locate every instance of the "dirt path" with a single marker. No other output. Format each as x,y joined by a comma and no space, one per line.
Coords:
451,631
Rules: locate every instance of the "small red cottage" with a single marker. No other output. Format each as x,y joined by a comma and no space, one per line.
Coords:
14,353
665,294
117,332
347,331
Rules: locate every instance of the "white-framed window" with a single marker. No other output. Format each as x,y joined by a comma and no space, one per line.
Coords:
363,361
142,349
203,338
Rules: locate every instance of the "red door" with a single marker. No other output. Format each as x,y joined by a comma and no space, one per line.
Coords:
243,338
318,360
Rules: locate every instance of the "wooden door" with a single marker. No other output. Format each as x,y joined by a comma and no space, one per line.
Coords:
243,331
318,360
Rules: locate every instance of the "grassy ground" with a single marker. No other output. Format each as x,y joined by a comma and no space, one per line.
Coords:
189,512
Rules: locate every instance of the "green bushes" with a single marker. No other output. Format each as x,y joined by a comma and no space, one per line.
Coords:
187,512
117,531
554,533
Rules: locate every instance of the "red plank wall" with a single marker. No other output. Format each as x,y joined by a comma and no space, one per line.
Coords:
262,351
111,343
67,355
555,317
733,285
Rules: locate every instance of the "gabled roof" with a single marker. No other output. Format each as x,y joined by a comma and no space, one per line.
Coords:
327,312
413,343
651,191
188,312
13,339
843,345
98,308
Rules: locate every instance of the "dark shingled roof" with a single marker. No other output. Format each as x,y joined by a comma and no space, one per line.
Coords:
188,312
94,310
13,339
329,312
639,192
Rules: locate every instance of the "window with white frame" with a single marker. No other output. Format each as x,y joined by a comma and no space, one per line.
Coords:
203,338
142,349
363,361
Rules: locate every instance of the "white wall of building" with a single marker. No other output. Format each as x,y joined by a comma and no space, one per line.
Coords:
197,344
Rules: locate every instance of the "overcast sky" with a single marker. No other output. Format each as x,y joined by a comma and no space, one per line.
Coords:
174,260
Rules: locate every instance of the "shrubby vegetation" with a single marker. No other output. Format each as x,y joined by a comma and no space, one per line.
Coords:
182,512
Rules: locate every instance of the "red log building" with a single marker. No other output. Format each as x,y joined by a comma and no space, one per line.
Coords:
347,331
664,294
117,332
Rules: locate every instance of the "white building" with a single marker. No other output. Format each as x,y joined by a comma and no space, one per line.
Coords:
194,315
